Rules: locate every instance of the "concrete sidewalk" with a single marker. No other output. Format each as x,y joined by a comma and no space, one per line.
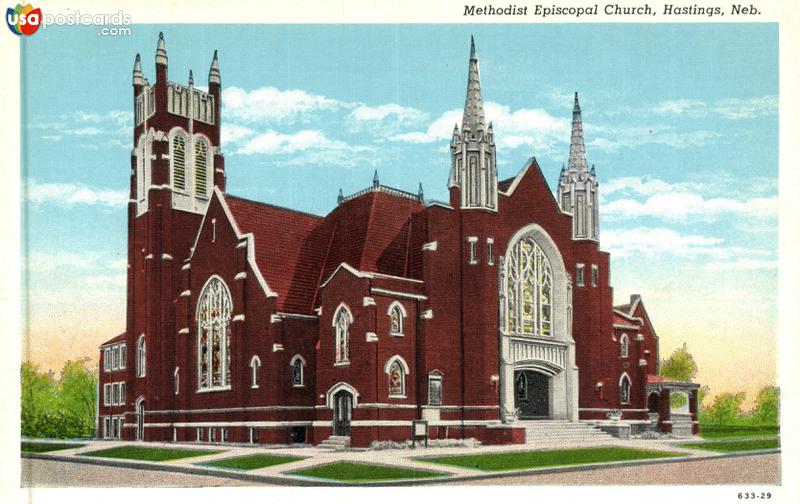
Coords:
403,458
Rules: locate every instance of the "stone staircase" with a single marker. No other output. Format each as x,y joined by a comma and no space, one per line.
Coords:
557,432
335,443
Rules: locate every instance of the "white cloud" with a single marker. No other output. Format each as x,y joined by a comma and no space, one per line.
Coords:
638,185
692,108
365,113
271,104
656,241
746,108
513,128
681,205
69,194
629,138
273,142
233,133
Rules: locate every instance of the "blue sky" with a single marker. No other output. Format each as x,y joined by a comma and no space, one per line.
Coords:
681,122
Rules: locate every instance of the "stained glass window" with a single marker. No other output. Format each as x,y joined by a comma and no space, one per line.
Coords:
179,162
141,357
396,379
396,320
341,325
200,168
214,336
623,345
529,290
297,371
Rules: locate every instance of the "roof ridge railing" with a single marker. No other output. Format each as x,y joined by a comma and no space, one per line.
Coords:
384,189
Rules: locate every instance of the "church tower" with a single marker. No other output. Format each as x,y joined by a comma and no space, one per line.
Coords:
175,164
473,171
577,187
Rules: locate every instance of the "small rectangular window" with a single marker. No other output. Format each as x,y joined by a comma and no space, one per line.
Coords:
107,359
122,393
595,275
115,394
107,394
212,435
199,434
114,357
473,249
253,435
490,251
123,355
579,280
106,427
224,434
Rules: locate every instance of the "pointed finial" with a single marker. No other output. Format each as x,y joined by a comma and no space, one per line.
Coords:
577,148
490,125
340,198
161,50
577,106
420,194
473,105
191,78
375,181
138,78
213,72
592,170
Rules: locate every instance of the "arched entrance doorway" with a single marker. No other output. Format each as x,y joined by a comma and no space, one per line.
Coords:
531,395
342,413
140,419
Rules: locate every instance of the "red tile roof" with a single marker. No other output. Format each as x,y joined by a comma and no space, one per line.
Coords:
115,339
296,251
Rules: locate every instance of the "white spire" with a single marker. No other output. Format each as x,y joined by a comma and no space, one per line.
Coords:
161,50
213,72
474,119
138,78
577,148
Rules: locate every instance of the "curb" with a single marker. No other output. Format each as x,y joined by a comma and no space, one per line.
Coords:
301,481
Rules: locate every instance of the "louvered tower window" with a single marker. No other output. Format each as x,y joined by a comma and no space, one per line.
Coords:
200,163
179,162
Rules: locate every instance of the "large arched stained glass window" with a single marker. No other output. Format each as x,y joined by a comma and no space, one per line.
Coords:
214,336
529,290
341,325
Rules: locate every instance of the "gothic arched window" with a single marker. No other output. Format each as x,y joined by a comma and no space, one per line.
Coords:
255,365
296,364
214,335
396,315
623,345
529,290
200,166
341,325
141,357
396,371
625,389
178,157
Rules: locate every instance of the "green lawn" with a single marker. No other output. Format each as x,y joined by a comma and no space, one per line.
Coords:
249,462
360,473
737,431
548,458
152,454
734,446
47,447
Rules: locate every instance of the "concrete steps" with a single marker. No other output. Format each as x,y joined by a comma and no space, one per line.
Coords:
335,443
559,431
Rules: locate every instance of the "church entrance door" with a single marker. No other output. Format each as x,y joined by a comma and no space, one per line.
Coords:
532,395
342,413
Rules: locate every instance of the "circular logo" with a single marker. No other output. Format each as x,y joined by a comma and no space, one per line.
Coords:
23,20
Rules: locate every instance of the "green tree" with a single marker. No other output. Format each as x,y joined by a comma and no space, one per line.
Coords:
58,408
78,397
767,405
726,407
680,366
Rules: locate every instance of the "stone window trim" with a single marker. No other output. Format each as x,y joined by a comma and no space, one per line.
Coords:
397,315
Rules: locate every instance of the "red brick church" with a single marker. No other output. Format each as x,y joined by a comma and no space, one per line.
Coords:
252,323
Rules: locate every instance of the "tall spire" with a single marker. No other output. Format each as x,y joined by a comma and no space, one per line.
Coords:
138,78
191,78
473,106
375,181
161,50
213,72
577,149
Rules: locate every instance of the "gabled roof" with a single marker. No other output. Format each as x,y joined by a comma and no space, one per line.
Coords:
288,246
